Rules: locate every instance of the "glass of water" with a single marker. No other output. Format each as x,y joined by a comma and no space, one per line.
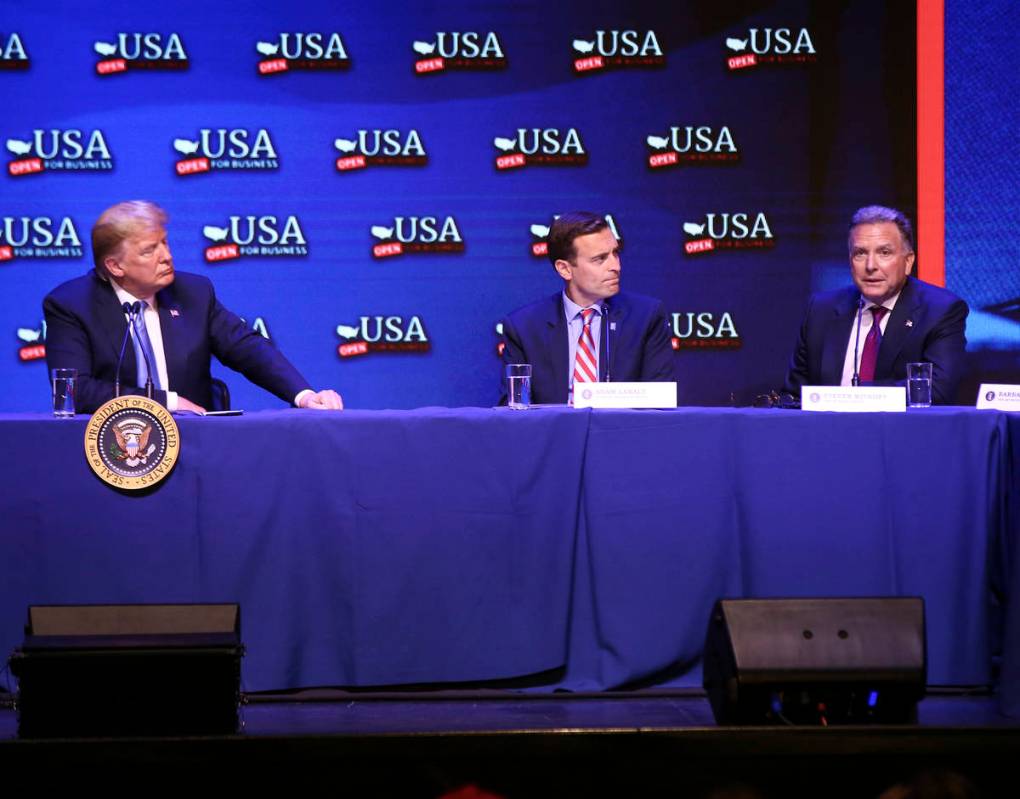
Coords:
919,385
63,382
518,385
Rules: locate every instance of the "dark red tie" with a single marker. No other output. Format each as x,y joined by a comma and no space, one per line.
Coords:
871,344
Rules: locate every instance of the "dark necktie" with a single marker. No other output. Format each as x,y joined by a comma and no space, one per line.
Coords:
871,344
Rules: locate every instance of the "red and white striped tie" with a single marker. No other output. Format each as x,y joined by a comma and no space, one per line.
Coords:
586,369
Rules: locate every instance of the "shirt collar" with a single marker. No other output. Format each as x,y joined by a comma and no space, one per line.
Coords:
126,296
889,304
571,309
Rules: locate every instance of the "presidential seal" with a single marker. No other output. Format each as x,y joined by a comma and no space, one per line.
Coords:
132,442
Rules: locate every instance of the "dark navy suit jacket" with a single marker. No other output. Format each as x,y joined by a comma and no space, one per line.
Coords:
85,326
639,344
927,324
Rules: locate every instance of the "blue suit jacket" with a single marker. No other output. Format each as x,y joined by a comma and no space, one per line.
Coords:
639,344
85,326
927,324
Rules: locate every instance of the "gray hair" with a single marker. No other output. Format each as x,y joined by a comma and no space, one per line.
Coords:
876,214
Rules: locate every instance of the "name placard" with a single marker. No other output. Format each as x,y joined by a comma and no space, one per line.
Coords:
625,395
854,399
999,396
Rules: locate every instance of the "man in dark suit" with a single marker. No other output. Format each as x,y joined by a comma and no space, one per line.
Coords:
177,323
900,319
565,337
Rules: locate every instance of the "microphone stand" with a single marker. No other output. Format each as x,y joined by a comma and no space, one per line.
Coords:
856,380
130,310
605,335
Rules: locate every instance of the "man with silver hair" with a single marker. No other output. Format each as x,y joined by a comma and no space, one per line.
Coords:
869,332
177,324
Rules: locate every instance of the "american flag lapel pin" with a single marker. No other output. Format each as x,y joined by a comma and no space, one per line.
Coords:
174,313
910,323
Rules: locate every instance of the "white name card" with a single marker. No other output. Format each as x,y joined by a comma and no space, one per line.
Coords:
855,399
624,395
999,396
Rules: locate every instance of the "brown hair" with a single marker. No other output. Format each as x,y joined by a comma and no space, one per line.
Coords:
567,227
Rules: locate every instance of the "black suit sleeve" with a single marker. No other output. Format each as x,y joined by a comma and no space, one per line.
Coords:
69,346
242,349
944,347
799,371
658,362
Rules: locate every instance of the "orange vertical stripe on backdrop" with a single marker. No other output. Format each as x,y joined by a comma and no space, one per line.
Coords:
931,174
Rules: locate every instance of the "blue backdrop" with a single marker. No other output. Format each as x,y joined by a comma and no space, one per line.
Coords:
295,144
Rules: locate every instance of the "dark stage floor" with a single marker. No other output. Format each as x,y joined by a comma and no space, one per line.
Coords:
514,745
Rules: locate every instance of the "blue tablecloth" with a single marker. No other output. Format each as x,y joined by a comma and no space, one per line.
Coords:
683,508
1008,562
365,548
396,547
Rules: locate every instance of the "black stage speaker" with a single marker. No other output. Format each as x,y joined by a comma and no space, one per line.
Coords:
815,661
128,670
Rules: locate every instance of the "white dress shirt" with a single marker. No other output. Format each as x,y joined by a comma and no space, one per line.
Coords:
152,327
867,319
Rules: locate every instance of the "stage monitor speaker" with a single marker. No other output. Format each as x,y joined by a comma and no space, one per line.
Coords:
129,670
816,661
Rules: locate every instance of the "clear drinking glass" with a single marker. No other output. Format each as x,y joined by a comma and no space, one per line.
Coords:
518,385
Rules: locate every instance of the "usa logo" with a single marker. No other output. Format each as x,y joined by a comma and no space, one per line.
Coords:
383,334
314,52
540,147
728,231
616,49
58,150
417,235
38,237
704,330
692,146
458,51
225,149
140,51
769,46
13,55
33,343
259,236
378,147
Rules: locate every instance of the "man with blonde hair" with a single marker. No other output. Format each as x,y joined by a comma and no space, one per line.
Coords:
176,324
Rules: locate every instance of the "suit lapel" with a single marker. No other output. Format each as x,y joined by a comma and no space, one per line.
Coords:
169,313
837,337
901,324
114,326
557,347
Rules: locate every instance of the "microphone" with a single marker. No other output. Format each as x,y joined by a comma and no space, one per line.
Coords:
605,335
856,380
130,310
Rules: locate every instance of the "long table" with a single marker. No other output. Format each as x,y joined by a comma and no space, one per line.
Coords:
585,547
